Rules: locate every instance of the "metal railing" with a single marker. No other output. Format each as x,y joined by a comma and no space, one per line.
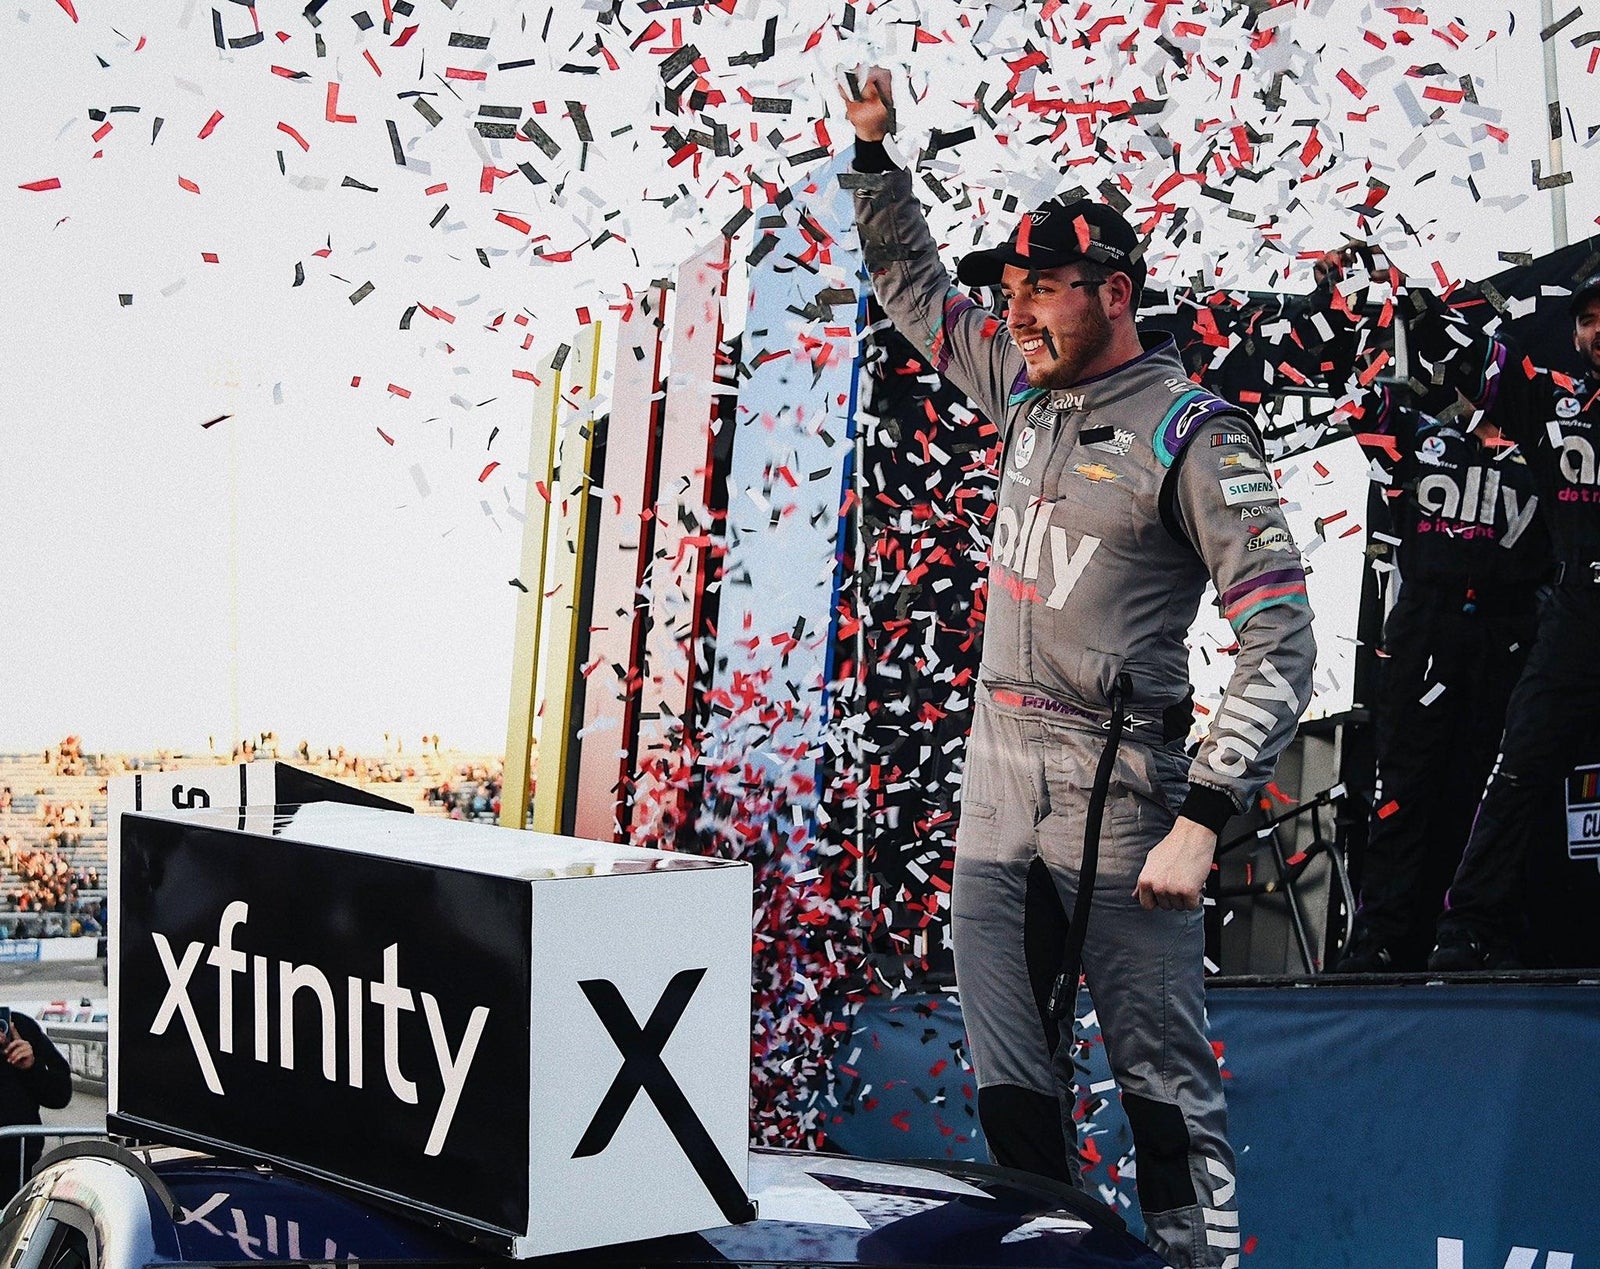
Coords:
22,1133
1288,869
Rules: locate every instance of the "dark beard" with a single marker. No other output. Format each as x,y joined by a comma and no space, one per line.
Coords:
1091,338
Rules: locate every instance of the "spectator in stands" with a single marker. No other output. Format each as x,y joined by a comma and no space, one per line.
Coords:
5,798
34,1074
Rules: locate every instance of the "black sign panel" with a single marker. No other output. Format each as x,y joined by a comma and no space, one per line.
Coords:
353,1015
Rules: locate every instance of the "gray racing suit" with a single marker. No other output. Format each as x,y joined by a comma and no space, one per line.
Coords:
1119,498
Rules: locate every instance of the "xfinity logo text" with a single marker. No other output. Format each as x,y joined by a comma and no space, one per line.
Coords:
1452,1255
388,994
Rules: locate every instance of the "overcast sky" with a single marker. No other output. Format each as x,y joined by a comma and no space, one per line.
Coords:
330,561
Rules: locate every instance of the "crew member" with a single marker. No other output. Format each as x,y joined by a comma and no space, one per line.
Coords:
34,1074
1472,555
1555,419
1124,489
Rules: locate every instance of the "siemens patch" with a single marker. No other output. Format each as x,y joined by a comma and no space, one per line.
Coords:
1238,489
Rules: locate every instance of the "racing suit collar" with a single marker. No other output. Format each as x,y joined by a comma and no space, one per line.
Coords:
1158,361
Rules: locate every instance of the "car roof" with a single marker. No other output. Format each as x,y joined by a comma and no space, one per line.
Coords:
815,1209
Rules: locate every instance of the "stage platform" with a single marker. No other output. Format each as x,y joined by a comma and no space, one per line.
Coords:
1410,1122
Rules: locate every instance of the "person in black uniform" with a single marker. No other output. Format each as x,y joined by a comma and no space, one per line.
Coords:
34,1074
1555,419
1472,555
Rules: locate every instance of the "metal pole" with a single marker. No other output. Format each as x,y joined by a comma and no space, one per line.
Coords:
522,718
1552,96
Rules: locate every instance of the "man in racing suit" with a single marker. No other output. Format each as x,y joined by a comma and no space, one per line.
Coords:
1124,490
1555,418
1472,554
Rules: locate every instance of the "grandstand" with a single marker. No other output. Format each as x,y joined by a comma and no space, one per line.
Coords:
53,843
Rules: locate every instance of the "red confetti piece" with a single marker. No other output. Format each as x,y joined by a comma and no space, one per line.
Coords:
66,7
1388,809
387,438
101,132
1352,83
484,474
455,72
40,187
520,225
405,36
286,73
1080,226
210,257
437,189
189,185
399,391
333,114
372,62
1024,234
1376,440
298,139
211,125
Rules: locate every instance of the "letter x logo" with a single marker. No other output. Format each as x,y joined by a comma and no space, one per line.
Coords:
642,1068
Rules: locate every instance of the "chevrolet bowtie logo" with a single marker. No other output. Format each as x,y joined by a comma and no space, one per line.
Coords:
1096,472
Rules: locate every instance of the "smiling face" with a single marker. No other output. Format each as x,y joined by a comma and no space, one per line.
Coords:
1061,322
1586,332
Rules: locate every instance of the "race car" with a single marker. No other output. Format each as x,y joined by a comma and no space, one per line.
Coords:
100,1205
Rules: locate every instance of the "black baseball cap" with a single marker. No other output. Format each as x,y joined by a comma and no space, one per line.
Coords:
1057,233
1585,291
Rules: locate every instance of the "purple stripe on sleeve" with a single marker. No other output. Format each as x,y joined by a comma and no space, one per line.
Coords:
1275,578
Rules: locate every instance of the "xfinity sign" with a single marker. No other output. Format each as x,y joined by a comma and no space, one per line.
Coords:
266,978
503,1030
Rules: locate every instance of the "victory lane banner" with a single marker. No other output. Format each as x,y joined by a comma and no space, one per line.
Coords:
509,1032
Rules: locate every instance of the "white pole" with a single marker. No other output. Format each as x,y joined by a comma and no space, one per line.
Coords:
1552,96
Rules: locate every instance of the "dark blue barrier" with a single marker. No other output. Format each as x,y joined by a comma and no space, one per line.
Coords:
1411,1126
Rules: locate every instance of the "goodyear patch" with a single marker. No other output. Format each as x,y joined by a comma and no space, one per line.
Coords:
1183,420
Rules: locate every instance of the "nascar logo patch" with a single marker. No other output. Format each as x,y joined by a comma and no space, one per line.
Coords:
1183,420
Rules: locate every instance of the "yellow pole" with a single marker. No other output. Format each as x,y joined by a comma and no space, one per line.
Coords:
530,599
559,672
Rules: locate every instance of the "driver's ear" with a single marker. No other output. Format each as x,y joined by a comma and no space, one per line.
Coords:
1120,297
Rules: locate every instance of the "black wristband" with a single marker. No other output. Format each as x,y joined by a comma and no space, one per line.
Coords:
871,156
1210,807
